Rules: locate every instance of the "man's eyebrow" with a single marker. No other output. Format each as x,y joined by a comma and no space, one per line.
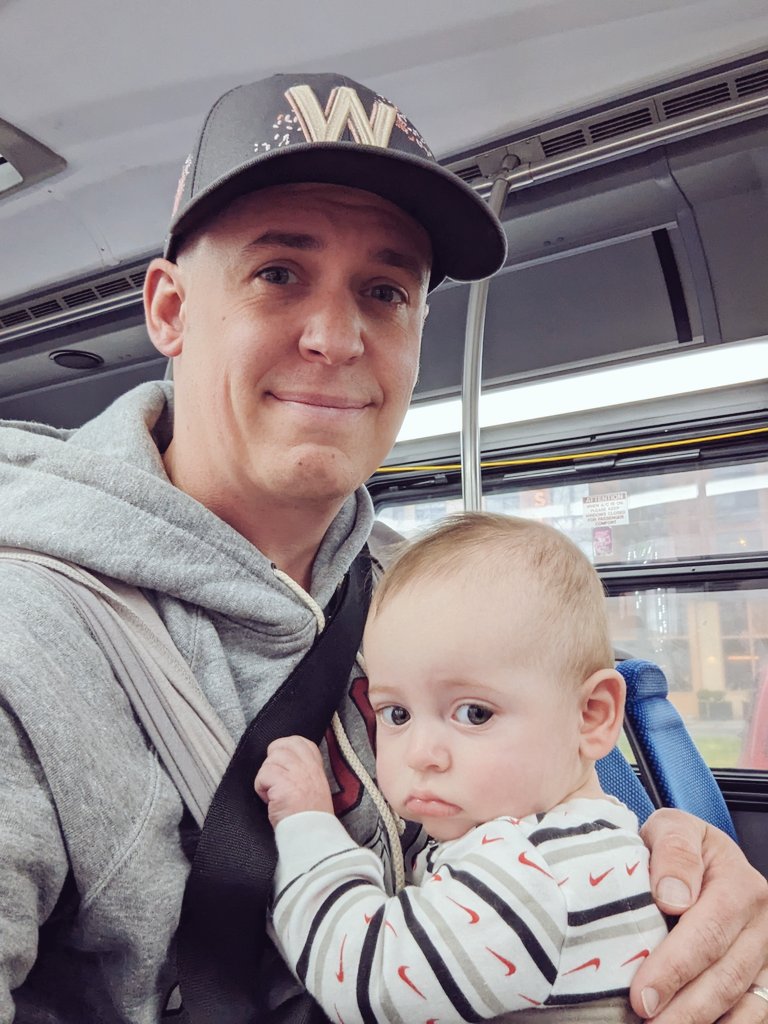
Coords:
402,261
309,243
288,239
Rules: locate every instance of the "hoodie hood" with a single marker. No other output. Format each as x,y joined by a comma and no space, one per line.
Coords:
99,496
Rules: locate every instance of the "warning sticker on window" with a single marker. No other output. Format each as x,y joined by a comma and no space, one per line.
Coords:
606,509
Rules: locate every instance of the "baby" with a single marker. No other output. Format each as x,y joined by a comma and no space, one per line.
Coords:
491,676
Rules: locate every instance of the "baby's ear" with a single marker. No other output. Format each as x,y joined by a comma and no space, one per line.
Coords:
602,713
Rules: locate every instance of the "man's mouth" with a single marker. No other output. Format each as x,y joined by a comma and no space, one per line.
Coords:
316,400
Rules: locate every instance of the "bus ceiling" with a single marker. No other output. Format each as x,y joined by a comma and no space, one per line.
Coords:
633,138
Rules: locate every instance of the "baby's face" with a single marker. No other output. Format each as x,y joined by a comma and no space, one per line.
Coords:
466,729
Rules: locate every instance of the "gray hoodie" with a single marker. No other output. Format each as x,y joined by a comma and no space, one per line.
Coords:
93,836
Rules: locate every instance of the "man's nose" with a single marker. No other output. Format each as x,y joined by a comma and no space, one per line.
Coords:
333,331
427,750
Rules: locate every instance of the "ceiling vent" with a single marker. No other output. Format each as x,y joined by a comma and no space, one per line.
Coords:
754,82
469,173
24,161
565,142
40,310
60,305
698,99
621,124
115,286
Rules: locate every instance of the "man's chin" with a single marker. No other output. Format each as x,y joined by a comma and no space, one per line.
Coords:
321,475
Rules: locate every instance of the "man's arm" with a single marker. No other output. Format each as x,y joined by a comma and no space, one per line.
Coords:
33,861
720,944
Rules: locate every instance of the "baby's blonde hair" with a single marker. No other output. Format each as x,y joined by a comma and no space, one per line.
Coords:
570,616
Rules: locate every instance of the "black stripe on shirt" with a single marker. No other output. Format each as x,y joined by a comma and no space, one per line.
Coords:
544,835
579,917
457,998
303,962
431,856
585,997
511,919
362,989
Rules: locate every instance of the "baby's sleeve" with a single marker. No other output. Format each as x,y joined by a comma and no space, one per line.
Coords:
479,937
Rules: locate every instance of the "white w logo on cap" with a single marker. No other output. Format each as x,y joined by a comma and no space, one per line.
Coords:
345,109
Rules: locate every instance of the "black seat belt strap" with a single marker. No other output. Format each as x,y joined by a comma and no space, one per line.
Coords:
221,933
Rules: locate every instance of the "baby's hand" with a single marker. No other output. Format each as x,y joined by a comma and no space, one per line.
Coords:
292,779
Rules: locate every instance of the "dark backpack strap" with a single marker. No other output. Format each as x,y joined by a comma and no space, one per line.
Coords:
221,933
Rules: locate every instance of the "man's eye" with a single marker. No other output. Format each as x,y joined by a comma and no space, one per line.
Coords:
388,293
277,275
394,715
473,714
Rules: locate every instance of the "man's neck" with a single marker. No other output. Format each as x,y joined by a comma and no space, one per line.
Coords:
288,533
288,537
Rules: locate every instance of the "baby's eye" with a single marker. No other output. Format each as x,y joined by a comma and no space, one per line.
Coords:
393,714
387,293
277,275
473,714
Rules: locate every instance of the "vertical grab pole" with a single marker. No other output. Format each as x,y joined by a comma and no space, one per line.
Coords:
472,379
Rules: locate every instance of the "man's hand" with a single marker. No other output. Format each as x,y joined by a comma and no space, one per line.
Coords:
719,947
292,779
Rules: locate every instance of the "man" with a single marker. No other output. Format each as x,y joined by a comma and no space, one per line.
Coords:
310,222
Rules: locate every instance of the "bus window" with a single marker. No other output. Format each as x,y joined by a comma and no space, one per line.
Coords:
674,550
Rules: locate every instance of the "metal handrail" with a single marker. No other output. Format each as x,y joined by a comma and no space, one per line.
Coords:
471,475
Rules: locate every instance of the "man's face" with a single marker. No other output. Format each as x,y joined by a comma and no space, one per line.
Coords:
300,319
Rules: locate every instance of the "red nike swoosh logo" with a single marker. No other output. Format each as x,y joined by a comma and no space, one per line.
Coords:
638,956
493,839
507,963
529,864
594,962
473,915
631,870
598,880
340,972
367,918
401,972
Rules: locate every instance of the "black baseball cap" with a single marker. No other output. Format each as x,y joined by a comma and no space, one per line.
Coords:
329,129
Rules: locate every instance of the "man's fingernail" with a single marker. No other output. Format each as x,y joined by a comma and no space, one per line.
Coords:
673,892
650,998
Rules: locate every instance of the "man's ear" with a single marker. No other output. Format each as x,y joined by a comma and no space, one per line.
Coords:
163,299
602,713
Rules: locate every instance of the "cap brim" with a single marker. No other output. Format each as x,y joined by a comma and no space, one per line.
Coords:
468,241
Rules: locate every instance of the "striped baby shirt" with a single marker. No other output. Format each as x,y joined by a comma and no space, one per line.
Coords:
549,910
